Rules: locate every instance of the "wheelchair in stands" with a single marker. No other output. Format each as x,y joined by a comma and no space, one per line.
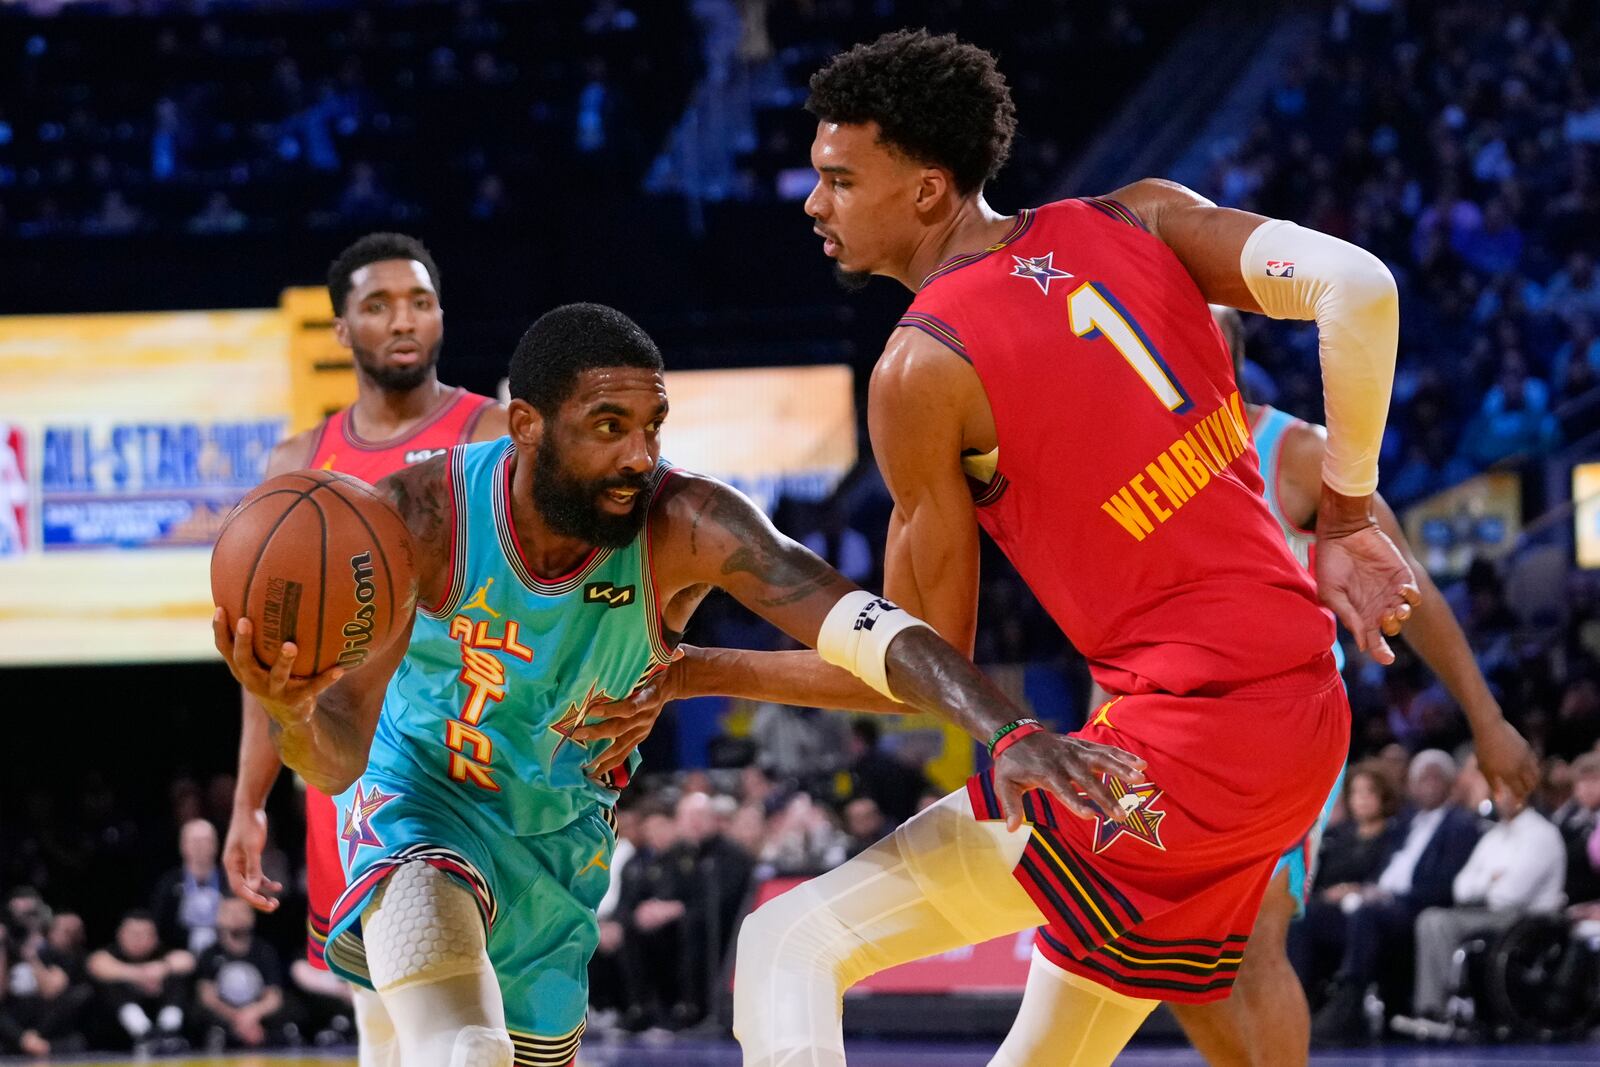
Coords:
1539,980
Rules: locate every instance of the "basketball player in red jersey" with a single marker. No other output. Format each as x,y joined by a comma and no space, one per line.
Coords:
385,292
1059,382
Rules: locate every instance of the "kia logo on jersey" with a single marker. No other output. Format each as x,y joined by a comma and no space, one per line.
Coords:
612,596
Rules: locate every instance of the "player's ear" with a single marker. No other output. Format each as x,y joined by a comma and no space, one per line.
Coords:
524,423
341,332
932,185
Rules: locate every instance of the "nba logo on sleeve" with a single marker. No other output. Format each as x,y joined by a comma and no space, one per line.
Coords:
1280,268
14,492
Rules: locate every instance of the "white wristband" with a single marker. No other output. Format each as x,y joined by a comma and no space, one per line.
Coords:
1296,273
856,636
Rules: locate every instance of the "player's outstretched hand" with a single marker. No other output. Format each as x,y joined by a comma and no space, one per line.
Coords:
1068,769
290,701
1363,578
627,722
1505,759
241,858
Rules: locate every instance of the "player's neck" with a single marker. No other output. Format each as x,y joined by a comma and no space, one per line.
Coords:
972,227
384,413
547,554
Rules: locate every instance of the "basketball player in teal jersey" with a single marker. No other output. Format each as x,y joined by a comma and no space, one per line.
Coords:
1266,1021
554,571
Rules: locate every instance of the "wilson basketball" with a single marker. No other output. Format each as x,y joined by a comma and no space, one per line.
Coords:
316,558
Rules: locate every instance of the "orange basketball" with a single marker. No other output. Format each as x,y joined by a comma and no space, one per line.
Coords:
316,558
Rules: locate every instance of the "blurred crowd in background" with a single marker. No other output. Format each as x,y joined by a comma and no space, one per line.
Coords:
1455,139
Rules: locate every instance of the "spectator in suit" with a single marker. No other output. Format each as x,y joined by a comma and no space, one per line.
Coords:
1420,875
186,898
1517,868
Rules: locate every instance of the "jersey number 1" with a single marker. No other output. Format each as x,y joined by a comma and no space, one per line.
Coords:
1096,313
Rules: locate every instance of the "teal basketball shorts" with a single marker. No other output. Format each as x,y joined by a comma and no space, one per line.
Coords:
537,896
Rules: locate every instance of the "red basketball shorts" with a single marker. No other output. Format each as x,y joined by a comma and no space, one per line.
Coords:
1161,906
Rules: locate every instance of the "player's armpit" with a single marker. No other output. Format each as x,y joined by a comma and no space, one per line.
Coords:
925,405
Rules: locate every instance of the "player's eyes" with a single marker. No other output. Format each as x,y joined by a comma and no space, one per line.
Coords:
374,307
423,304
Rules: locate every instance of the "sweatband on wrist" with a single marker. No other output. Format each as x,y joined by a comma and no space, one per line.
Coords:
1296,273
856,636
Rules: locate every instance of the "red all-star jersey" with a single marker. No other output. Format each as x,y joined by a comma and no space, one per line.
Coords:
340,448
1126,490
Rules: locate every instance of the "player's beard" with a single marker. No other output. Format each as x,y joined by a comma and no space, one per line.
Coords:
851,281
570,506
396,379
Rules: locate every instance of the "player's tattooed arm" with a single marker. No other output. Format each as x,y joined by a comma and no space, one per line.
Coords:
421,494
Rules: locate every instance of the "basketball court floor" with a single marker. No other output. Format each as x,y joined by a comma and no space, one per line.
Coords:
639,1053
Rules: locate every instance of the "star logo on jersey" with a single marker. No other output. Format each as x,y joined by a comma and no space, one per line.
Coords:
1039,269
1144,821
576,712
358,820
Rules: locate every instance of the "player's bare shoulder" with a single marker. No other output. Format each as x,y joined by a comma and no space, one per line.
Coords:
293,453
492,423
421,494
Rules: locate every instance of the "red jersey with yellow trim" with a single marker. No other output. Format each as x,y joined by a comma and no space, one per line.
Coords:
1126,491
340,448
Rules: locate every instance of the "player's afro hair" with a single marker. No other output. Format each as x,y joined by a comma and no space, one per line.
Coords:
569,340
375,248
936,99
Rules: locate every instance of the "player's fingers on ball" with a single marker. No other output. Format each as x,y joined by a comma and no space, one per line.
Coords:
278,676
1411,594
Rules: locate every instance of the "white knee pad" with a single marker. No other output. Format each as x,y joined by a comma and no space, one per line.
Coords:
421,927
479,1046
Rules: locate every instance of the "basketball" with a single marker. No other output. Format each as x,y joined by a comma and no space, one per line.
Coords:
317,558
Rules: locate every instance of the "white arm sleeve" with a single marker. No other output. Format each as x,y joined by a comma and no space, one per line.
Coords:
1295,273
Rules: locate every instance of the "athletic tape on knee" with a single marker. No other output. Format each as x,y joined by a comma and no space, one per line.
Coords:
422,927
856,636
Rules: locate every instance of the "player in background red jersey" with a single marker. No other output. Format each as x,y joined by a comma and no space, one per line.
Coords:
1059,382
385,291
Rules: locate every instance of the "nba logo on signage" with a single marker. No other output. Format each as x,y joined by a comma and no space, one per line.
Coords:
14,494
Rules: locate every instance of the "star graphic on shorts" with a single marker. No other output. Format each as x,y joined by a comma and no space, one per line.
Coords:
1144,822
358,820
1039,269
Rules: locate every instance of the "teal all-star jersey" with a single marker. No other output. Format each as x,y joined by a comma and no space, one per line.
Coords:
473,768
479,713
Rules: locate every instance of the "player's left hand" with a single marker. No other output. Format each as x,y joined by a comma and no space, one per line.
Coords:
627,722
1362,576
1068,769
1506,760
